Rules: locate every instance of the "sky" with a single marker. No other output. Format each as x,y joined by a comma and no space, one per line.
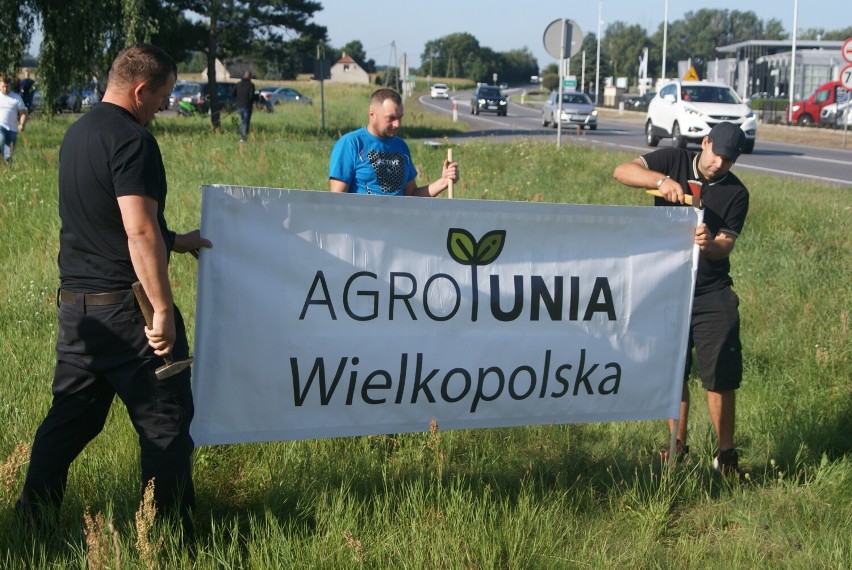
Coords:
504,25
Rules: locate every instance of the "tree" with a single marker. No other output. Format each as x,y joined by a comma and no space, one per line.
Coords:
621,47
452,55
774,30
233,27
16,29
80,40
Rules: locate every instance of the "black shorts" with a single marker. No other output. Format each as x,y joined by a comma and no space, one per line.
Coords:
715,334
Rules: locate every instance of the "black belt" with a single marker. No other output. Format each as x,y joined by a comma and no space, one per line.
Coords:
93,299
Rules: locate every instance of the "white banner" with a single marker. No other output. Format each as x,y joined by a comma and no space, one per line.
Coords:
323,314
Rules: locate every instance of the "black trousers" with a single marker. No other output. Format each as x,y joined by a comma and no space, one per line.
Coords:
102,351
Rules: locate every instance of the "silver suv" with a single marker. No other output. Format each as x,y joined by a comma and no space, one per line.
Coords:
685,111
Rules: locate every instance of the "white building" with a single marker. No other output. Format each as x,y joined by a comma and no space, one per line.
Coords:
347,70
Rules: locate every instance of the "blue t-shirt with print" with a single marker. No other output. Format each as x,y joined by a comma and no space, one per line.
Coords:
371,165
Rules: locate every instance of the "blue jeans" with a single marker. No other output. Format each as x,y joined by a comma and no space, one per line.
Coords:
9,140
245,122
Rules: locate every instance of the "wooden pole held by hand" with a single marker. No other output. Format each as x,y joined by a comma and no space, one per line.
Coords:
450,187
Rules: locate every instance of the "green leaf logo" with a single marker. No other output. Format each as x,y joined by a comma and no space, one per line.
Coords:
464,248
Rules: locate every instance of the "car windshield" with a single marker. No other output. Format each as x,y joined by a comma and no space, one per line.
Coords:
575,99
708,94
439,86
185,88
489,92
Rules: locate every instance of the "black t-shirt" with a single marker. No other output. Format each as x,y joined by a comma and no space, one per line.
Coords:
104,155
243,94
725,208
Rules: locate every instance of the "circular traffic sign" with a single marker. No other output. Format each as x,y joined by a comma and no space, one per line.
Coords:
846,77
846,50
554,34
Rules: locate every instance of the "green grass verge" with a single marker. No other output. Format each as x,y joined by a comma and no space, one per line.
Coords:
583,496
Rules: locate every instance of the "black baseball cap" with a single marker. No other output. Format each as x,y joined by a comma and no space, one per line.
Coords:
729,140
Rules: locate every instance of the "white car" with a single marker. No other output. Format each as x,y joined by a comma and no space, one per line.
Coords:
440,91
685,111
836,113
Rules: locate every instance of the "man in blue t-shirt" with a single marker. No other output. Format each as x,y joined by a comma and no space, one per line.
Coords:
373,160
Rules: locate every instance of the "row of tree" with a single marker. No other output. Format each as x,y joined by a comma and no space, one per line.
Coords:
277,39
460,55
82,37
696,36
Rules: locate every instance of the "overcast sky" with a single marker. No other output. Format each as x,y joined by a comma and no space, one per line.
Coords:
504,25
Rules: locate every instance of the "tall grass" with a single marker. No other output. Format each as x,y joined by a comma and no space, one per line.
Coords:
579,496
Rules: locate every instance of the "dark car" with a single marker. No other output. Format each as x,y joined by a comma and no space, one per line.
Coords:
488,98
224,96
639,102
183,90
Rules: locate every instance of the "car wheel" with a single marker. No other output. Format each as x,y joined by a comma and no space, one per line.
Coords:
650,137
476,110
677,139
806,120
593,127
749,147
544,122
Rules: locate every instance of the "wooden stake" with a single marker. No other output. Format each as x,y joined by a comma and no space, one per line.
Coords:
450,188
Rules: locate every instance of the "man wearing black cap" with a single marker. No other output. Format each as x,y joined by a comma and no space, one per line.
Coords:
715,324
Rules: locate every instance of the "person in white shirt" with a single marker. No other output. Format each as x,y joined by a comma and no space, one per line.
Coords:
13,116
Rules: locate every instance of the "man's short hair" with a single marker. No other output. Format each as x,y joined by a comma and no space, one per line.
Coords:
380,95
142,62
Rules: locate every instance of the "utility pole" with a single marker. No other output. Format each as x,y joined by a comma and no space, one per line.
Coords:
391,63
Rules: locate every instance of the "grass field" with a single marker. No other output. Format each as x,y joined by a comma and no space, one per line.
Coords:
577,496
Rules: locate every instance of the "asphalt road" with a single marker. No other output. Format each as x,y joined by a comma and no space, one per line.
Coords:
832,166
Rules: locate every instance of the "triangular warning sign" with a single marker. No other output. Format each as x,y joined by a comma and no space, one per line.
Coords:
691,75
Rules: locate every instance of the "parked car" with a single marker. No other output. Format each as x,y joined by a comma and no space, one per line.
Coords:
200,97
639,102
440,91
277,95
577,109
837,113
183,89
488,98
75,100
685,111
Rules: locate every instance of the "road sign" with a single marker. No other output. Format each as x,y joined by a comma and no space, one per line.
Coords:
846,77
691,75
570,82
846,50
553,38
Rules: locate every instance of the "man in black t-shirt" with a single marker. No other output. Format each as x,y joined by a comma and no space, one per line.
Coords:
244,96
112,195
714,327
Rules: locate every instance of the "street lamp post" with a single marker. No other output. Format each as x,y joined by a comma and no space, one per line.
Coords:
793,61
665,37
598,60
